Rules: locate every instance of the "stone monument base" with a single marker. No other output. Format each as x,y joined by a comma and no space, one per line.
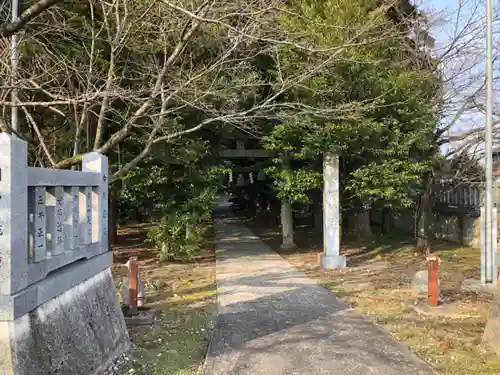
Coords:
332,262
80,332
291,246
476,286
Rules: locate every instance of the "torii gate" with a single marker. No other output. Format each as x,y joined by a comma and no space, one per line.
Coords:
331,258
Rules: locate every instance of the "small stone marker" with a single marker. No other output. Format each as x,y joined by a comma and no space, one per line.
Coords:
476,286
141,292
420,284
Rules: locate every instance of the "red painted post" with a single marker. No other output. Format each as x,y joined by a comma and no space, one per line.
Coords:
433,280
133,286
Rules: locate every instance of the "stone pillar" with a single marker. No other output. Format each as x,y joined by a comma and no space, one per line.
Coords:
331,258
13,214
96,162
488,260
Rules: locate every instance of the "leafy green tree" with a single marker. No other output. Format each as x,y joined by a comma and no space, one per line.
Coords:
130,79
388,118
179,194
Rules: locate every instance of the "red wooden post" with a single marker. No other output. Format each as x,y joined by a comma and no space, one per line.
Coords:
133,287
433,280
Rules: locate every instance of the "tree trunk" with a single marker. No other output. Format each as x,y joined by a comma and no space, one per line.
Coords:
189,232
137,216
114,193
359,225
275,211
287,226
318,210
112,219
387,221
423,220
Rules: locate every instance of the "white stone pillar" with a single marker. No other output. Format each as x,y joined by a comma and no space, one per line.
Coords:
95,162
488,260
13,214
331,258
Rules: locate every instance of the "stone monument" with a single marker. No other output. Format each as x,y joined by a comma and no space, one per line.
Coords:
331,258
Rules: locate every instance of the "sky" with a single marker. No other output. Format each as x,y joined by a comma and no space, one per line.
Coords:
438,7
443,14
439,4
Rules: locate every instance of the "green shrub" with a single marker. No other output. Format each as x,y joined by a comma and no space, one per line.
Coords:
183,230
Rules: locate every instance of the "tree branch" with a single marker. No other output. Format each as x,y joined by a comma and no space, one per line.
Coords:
39,135
8,29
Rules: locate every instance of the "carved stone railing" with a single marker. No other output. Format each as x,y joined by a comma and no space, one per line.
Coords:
53,227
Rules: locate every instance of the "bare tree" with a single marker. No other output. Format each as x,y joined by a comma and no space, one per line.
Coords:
459,59
461,62
110,72
9,28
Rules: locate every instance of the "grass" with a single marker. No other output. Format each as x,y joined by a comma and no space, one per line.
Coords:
183,294
377,283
